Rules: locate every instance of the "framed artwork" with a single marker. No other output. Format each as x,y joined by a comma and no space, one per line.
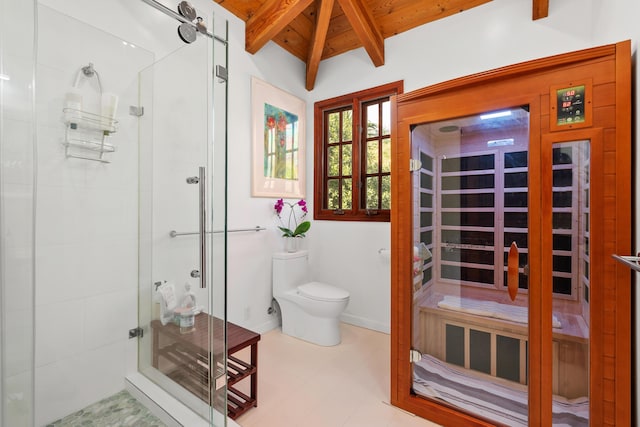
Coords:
278,122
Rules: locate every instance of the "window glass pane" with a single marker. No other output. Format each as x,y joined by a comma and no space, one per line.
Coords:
334,127
347,125
521,239
426,237
333,160
481,200
468,219
385,202
427,161
372,120
468,163
562,199
346,159
372,157
386,117
562,156
515,180
467,274
516,219
426,200
561,242
465,182
386,155
426,181
372,192
333,194
563,178
346,193
562,263
450,238
468,256
562,220
515,200
426,219
515,160
562,285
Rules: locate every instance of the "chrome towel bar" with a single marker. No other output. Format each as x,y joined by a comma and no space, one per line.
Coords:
174,233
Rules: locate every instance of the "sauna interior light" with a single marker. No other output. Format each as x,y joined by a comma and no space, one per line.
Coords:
495,115
500,142
5,77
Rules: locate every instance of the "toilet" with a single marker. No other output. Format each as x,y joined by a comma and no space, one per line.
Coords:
310,310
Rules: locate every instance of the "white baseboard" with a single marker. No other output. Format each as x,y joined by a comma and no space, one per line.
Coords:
365,323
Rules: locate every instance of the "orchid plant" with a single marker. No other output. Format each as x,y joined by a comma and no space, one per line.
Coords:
295,226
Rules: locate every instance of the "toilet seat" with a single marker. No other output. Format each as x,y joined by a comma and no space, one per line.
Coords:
322,292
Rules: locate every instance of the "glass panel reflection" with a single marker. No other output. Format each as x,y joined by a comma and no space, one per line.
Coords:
471,204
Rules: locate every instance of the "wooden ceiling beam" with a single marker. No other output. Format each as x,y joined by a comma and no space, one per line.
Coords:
272,17
540,9
318,38
364,25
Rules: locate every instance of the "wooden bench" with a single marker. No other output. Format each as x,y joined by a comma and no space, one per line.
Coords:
186,358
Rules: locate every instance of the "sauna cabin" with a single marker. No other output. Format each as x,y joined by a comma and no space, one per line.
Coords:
509,308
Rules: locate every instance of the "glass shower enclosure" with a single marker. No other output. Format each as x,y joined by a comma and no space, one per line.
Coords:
183,224
113,204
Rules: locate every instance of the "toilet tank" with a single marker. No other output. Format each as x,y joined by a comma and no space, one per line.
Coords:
290,269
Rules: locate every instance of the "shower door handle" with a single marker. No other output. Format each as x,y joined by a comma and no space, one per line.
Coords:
202,224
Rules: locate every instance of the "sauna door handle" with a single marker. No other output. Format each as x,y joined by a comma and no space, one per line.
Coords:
512,271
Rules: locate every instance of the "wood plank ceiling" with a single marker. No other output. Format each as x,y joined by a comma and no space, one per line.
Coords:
313,30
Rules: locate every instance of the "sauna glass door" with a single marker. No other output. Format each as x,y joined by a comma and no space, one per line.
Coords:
470,264
567,191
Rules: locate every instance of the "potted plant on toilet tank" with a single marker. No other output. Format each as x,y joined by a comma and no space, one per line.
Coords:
295,226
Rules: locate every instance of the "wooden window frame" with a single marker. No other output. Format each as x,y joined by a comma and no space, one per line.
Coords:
355,101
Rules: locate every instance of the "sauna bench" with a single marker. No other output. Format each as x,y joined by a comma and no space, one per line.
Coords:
185,359
446,335
574,328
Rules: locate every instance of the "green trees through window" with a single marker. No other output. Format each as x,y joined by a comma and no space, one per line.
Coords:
353,155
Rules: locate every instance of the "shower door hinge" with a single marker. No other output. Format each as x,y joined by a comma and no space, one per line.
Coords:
414,165
136,111
414,356
136,332
222,73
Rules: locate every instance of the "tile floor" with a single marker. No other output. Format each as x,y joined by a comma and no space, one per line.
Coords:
299,384
302,384
121,409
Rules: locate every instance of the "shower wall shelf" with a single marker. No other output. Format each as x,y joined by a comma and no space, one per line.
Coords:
86,134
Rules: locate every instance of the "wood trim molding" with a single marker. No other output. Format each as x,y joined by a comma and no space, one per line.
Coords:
509,72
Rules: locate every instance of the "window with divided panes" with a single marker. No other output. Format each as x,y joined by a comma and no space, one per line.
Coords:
353,155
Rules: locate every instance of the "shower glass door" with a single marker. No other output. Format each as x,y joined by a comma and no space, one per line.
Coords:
470,264
183,225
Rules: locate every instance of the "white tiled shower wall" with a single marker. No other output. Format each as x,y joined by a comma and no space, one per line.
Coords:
16,187
87,234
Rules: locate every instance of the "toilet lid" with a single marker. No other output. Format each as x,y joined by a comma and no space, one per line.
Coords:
322,292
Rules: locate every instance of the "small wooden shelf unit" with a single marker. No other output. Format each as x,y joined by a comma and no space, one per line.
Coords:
186,358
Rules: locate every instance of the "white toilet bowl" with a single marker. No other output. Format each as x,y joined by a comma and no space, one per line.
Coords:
310,310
